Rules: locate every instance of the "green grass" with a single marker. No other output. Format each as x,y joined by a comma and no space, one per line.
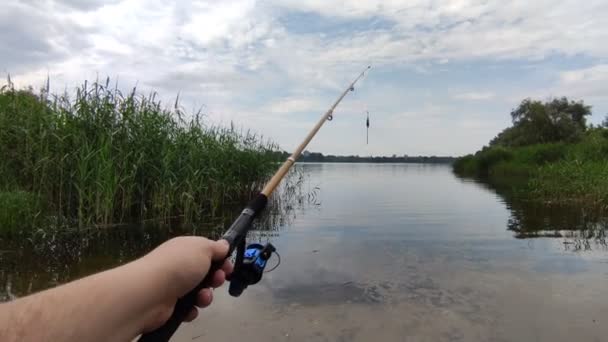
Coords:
103,157
556,172
573,181
17,207
581,176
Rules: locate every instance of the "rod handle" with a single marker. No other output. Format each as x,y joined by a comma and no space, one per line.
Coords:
234,235
181,309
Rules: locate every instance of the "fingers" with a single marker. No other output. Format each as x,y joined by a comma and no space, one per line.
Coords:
219,277
204,298
191,315
218,250
227,267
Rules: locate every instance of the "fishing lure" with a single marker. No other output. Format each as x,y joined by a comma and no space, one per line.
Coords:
367,124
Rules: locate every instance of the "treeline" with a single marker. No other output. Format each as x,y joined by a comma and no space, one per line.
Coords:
316,157
536,122
103,158
550,143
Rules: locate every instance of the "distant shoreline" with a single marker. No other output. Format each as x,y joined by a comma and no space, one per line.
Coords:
314,157
367,162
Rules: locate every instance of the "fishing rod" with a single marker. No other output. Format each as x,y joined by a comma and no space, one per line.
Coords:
250,260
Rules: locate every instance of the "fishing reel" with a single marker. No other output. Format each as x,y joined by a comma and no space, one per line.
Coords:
249,266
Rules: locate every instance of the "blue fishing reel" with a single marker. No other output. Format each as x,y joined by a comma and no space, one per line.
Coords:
249,266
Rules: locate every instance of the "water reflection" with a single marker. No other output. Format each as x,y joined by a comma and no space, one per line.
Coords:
581,227
47,259
42,262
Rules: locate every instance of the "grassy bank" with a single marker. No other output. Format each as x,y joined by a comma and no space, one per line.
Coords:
550,144
102,157
556,172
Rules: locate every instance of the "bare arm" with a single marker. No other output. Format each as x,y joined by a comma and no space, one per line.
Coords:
119,304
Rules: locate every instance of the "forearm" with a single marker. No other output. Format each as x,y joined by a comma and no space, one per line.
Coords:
111,306
119,304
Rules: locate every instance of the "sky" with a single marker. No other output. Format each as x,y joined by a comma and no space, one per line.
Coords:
445,74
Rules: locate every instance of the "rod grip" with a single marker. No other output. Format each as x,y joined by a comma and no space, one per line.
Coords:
181,309
234,235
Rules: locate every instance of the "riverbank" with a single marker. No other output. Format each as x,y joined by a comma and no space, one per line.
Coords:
102,158
556,173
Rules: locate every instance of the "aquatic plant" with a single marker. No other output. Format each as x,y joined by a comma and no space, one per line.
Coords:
557,173
102,157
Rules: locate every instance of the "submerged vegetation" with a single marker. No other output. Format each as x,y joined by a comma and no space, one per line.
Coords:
550,145
103,157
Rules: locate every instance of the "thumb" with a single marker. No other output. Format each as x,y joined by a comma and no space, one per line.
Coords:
219,250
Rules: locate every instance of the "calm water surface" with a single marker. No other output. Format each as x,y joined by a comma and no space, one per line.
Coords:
391,253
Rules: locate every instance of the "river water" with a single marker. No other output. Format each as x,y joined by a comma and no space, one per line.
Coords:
386,252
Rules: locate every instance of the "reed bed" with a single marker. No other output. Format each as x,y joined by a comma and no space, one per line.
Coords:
101,157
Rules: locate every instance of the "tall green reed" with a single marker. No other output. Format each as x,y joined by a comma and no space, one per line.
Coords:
102,157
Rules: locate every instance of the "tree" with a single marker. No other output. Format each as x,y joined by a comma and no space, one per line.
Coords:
537,122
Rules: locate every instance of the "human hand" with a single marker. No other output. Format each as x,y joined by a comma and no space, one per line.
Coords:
181,264
122,303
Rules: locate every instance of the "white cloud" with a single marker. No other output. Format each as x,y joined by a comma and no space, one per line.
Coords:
243,61
596,73
589,84
473,29
294,104
224,21
475,96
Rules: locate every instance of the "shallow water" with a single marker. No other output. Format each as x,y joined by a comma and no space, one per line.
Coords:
412,253
393,253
